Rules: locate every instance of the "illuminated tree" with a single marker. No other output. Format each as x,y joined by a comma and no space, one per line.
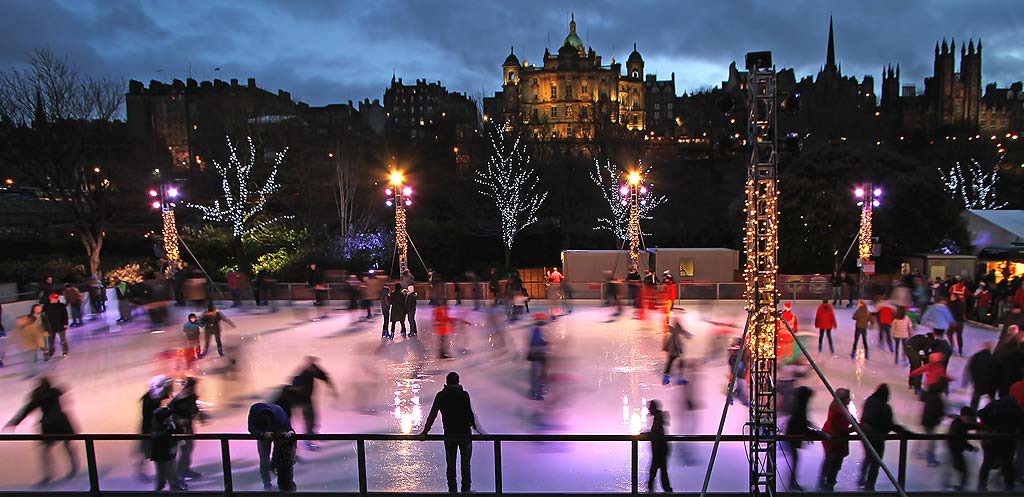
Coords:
512,184
609,179
972,186
244,200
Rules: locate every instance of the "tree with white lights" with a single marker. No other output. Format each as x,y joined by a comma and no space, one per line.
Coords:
609,179
512,184
244,200
972,185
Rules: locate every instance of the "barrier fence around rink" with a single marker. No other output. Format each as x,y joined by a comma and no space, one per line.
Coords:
224,439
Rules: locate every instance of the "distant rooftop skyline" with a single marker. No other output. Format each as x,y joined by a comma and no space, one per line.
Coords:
325,51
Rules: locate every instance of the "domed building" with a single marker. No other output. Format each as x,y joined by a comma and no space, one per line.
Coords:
570,94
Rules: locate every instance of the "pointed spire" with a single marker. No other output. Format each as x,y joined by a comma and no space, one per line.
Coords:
945,47
963,48
897,71
970,47
952,46
979,46
572,23
634,46
936,47
830,55
512,50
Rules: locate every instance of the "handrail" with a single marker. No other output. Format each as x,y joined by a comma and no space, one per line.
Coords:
360,440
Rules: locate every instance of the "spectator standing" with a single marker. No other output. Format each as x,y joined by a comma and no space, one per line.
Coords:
861,320
457,415
275,444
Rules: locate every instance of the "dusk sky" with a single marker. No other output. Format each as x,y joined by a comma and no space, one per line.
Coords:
325,51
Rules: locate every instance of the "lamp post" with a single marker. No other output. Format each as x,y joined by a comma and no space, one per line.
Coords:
868,197
633,194
399,195
164,199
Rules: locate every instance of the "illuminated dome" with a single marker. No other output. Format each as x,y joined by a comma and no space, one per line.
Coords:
573,40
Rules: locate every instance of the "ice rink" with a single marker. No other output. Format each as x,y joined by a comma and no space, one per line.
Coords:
604,371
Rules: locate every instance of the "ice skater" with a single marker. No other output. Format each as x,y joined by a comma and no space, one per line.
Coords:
825,322
163,449
862,321
957,444
659,447
304,383
398,302
211,328
798,425
877,421
185,409
673,348
836,425
538,358
410,308
53,421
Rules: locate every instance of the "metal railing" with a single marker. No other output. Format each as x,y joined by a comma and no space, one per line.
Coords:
497,441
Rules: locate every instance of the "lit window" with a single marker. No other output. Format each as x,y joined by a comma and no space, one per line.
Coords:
554,92
554,111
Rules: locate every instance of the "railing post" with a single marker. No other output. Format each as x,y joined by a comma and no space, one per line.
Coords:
901,474
225,460
90,463
361,463
634,467
497,467
289,287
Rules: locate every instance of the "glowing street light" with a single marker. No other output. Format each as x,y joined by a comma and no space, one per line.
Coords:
399,196
164,199
633,192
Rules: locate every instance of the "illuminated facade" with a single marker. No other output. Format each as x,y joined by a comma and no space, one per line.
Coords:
570,94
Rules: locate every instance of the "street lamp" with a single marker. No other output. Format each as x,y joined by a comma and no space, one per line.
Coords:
399,195
165,198
633,194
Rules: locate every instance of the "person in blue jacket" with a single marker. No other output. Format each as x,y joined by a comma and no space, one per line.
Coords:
276,444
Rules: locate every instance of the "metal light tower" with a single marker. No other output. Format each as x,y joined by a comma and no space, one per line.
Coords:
165,199
868,197
633,192
761,271
399,195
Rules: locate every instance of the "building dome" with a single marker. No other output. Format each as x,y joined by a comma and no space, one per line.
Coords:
571,39
511,60
634,56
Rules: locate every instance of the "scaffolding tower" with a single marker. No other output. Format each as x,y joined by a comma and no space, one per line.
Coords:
761,271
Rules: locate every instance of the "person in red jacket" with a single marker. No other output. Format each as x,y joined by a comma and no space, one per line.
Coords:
837,425
784,347
825,322
934,371
884,317
443,330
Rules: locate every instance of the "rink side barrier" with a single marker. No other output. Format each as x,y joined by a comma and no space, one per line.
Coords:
92,466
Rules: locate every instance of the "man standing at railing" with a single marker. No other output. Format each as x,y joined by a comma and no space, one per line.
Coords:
458,419
271,424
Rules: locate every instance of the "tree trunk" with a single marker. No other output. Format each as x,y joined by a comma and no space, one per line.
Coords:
508,257
93,246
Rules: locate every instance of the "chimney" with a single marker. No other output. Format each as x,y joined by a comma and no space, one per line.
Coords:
234,82
251,83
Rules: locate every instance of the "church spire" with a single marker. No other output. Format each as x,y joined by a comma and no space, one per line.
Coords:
830,56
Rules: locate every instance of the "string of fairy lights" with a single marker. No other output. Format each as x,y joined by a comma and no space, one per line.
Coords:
242,205
170,234
399,195
607,178
508,179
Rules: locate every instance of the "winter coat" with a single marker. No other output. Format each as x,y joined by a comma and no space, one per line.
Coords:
937,316
958,430
538,348
211,320
149,405
305,380
674,341
885,314
30,332
837,425
982,370
901,327
162,443
442,323
191,330
53,420
122,290
456,411
72,296
790,318
877,416
861,317
1009,359
825,318
185,409
1017,392
56,316
280,422
934,372
397,300
410,304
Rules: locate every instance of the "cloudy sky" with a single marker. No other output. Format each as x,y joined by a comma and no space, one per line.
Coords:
326,51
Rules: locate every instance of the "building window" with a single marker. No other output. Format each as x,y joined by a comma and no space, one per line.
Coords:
583,112
511,76
657,115
568,92
586,94
554,111
568,111
634,119
668,107
554,92
657,106
635,74
536,116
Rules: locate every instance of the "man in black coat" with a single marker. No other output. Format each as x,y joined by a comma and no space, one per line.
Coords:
458,419
56,318
304,383
410,308
981,371
52,421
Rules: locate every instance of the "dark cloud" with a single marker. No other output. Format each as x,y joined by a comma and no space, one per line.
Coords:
326,51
